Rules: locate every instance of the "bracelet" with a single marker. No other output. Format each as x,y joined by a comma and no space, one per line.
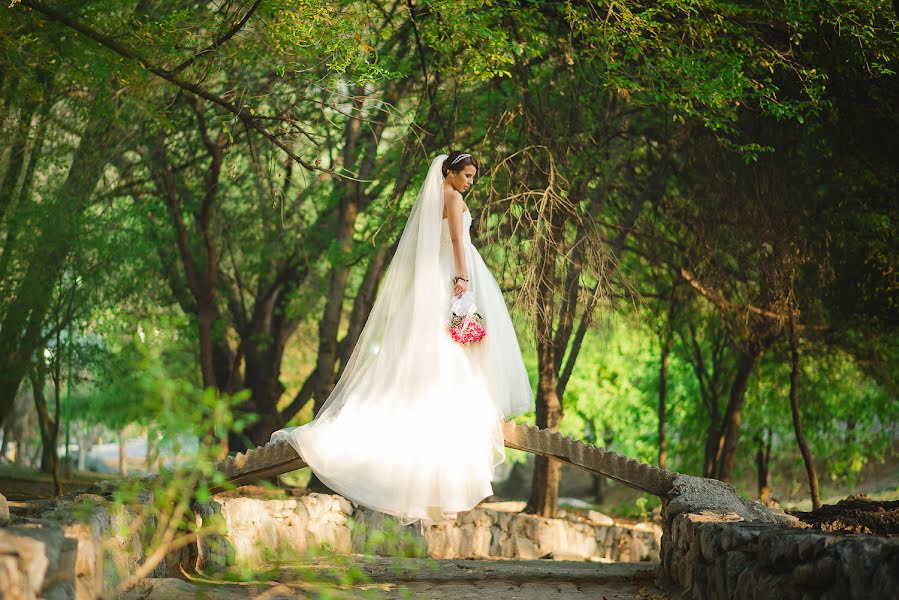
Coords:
457,279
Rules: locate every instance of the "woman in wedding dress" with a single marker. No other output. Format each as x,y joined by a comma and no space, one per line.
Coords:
413,427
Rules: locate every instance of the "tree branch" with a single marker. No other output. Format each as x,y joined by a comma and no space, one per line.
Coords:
218,42
725,305
193,89
169,191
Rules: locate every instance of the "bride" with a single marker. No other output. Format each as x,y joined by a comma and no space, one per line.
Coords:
413,427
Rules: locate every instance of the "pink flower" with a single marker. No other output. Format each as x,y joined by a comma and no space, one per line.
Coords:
466,330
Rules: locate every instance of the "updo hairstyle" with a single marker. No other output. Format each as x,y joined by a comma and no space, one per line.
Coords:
456,161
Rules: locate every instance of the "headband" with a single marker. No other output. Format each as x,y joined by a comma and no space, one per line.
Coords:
460,157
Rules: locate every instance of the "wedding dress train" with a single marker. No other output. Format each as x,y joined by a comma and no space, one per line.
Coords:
414,426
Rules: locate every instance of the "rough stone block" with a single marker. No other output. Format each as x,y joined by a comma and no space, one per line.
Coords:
682,531
709,545
770,585
738,537
700,582
675,565
599,518
778,551
625,549
639,550
728,571
816,574
63,590
524,548
23,564
861,557
692,495
498,541
480,543
693,561
811,545
886,578
746,582
4,511
38,545
840,591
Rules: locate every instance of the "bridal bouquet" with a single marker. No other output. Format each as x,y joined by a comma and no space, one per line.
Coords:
466,326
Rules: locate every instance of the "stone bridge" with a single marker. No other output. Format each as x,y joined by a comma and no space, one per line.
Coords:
280,457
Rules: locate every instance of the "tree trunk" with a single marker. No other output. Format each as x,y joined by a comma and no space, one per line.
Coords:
5,442
797,417
22,194
123,453
712,445
200,276
152,457
707,378
48,428
264,342
544,499
663,392
21,457
205,324
733,417
599,489
84,445
16,163
762,463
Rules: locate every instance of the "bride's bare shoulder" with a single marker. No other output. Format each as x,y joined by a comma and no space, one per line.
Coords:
452,202
451,195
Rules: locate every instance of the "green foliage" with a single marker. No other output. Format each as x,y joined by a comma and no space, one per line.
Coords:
851,416
141,380
641,508
611,393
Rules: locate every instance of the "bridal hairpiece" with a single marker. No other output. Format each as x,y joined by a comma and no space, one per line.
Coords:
460,157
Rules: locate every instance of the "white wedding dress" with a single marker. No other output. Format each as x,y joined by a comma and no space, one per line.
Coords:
414,426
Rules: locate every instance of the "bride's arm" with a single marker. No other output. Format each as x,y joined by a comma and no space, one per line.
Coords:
454,209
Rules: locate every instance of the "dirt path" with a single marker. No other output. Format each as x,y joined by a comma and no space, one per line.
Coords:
395,578
519,579
18,483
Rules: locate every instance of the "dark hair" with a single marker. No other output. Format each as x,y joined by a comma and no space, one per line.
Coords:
459,164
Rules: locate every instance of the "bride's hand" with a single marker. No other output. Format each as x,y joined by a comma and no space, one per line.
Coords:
460,288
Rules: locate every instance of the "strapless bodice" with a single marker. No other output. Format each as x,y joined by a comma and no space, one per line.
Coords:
466,229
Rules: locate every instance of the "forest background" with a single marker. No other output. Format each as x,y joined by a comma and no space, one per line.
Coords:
690,206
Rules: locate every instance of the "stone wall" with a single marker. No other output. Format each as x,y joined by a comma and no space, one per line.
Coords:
286,527
723,556
767,555
489,533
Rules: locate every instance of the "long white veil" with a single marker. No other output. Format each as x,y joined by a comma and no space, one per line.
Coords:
408,318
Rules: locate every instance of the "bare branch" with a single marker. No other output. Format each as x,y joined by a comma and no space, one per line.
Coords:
218,42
